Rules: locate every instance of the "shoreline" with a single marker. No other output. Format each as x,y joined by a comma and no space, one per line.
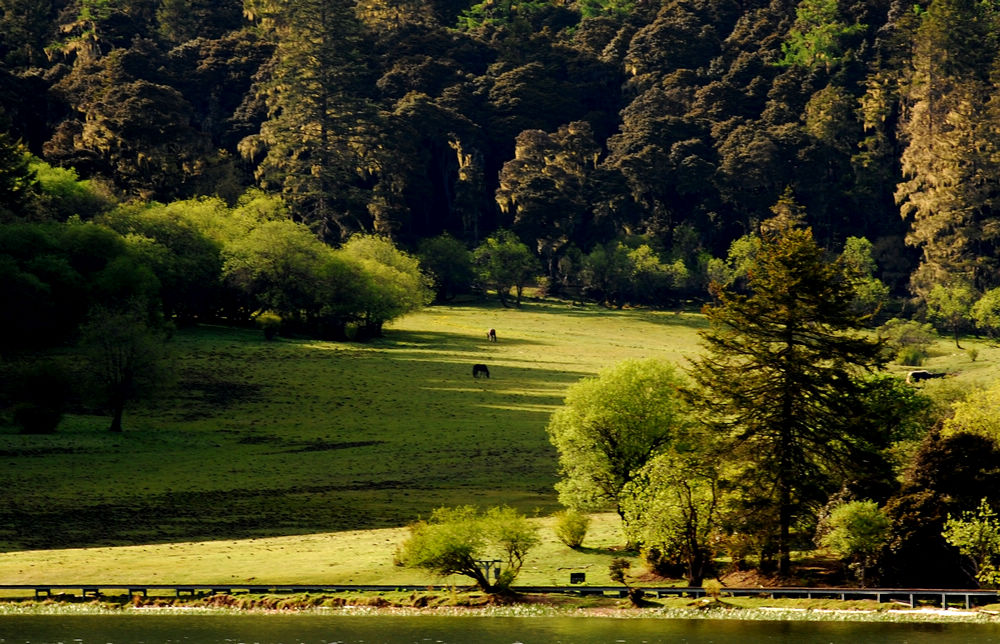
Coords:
514,610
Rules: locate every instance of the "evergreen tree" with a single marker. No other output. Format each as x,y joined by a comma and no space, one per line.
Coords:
781,370
949,164
313,145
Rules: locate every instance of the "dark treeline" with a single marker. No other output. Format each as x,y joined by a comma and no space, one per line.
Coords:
575,124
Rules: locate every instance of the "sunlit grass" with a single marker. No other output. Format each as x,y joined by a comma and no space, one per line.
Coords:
298,460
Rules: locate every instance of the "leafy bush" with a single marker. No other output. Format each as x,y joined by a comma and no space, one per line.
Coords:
977,537
571,527
911,356
463,541
270,324
40,392
908,340
856,531
34,418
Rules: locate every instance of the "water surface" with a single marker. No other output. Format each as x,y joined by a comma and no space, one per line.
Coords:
312,629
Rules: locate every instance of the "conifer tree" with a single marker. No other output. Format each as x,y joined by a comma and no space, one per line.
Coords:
315,145
951,131
780,373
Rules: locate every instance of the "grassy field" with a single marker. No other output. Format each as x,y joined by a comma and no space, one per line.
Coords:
261,450
264,438
355,556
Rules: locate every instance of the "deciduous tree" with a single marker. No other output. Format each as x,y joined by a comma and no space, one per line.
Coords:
504,262
488,547
126,354
611,426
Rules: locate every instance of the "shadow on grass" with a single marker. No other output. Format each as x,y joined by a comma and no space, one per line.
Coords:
610,552
445,341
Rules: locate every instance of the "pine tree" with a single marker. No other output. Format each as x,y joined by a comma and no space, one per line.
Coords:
316,143
952,133
781,371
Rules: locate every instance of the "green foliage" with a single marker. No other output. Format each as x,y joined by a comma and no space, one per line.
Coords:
858,531
127,356
951,306
977,536
463,541
674,511
449,262
171,243
63,194
986,311
818,36
55,272
503,13
396,284
781,370
596,8
571,527
504,262
277,265
978,413
606,271
911,356
270,323
908,340
870,293
611,426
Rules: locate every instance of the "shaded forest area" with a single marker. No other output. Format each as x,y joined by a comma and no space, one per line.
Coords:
574,123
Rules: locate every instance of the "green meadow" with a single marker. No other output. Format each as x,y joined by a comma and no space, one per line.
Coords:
298,461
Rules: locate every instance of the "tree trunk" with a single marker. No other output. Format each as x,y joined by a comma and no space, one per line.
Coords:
116,416
784,530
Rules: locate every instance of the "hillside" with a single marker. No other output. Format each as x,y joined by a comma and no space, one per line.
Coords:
295,436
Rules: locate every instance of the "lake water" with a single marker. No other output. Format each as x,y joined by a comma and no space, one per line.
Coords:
312,629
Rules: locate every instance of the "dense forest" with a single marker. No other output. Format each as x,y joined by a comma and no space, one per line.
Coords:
576,124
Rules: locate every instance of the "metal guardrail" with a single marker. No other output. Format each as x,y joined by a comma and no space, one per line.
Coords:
910,596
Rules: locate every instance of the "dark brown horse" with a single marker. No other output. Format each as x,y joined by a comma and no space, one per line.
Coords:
480,370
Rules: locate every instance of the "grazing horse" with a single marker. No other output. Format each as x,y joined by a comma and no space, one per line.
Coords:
491,335
917,376
480,369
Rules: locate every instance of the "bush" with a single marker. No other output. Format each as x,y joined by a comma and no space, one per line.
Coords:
488,547
270,324
911,356
34,418
39,393
571,527
908,339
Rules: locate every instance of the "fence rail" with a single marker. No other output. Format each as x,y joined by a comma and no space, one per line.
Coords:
910,596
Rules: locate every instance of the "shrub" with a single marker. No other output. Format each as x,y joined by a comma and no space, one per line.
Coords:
571,527
34,418
911,356
903,335
39,394
713,588
857,531
464,541
270,324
